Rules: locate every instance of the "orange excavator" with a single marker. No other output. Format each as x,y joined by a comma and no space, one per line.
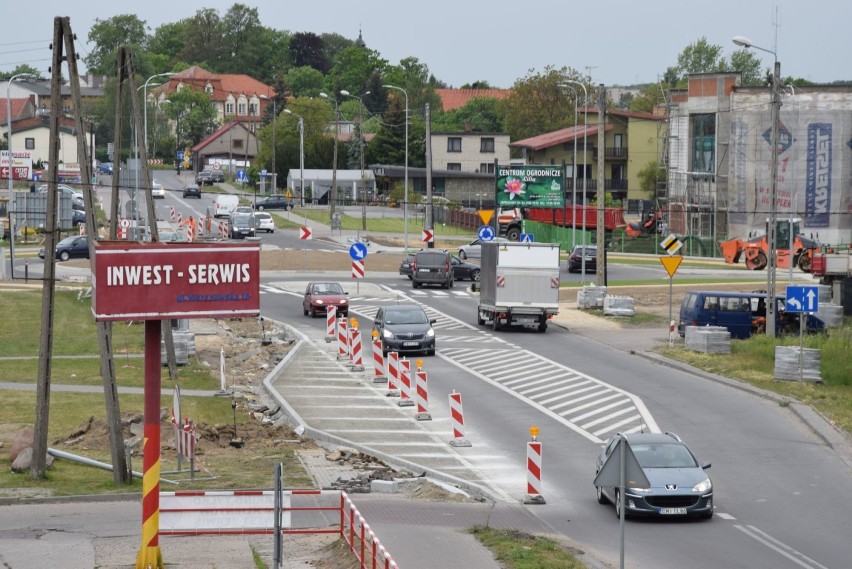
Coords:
755,250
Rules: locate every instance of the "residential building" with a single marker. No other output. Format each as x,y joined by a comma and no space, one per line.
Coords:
39,92
33,135
237,98
469,151
632,141
232,147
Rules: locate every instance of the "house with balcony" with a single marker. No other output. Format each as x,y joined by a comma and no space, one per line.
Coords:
469,151
631,142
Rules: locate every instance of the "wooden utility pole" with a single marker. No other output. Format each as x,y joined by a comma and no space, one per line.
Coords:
42,410
600,279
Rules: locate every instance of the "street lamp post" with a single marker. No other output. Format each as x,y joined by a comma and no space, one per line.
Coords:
274,148
574,171
145,97
9,147
301,154
771,235
360,98
333,191
405,191
574,198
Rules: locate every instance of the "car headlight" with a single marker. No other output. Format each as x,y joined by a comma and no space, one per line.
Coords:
703,486
317,301
430,333
638,490
343,301
387,334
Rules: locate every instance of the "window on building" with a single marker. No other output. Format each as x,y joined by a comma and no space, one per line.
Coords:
229,108
29,143
486,168
237,143
253,110
454,144
241,108
703,143
454,166
486,145
209,89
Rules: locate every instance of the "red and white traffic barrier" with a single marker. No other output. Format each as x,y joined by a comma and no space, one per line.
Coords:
534,472
379,375
330,323
405,399
357,352
179,218
671,332
342,338
422,391
393,374
457,419
351,335
223,229
172,213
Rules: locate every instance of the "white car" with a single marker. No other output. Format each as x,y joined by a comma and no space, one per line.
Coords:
264,222
473,250
157,190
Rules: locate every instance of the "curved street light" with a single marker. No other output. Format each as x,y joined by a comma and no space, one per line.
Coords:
574,198
405,194
301,154
333,191
771,234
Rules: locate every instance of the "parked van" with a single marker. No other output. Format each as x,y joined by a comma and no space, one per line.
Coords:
742,313
225,205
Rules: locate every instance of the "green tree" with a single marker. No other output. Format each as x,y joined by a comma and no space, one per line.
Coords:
748,64
414,77
481,113
701,57
307,49
651,176
22,68
538,103
353,68
168,40
305,81
193,113
650,96
204,39
334,44
476,85
106,36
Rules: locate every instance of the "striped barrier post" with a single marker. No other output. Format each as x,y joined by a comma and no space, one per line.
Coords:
393,374
357,352
330,323
350,338
379,375
534,470
405,399
342,338
422,391
457,418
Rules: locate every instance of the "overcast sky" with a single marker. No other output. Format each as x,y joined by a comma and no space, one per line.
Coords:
619,41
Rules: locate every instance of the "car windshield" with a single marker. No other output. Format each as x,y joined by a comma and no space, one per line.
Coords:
67,241
663,456
413,316
586,251
242,218
327,288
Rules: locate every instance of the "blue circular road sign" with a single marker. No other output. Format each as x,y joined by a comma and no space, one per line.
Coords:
358,251
485,233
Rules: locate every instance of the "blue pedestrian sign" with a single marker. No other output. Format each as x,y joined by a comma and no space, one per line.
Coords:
527,238
802,298
263,173
358,251
485,233
241,176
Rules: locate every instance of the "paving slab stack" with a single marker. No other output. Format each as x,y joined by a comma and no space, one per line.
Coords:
787,364
619,306
708,339
591,297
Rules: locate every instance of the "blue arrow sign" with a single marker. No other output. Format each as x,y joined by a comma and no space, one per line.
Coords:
241,176
358,251
802,298
485,233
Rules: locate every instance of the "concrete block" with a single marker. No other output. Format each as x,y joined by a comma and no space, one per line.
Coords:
384,486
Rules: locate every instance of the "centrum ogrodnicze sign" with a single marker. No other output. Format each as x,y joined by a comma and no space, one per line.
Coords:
530,186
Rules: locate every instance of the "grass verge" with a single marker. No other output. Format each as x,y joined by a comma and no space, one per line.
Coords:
517,550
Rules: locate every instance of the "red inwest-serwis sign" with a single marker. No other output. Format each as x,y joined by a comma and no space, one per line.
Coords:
154,281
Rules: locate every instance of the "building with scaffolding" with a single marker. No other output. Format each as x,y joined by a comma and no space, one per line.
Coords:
719,154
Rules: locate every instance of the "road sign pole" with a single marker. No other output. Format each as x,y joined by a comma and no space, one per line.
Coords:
671,336
802,316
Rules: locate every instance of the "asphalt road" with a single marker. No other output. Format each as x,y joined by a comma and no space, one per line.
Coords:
775,481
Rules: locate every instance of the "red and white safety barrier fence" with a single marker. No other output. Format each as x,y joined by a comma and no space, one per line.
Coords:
422,392
534,473
405,399
357,353
393,374
330,323
379,374
342,338
457,419
361,539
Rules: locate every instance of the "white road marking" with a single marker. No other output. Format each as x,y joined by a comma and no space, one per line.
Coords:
795,556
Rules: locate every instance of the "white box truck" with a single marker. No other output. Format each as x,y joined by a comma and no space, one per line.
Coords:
519,284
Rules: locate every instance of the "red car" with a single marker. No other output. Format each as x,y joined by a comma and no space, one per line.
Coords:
320,295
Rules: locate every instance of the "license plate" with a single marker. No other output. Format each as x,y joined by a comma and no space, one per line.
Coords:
410,344
673,511
526,320
426,270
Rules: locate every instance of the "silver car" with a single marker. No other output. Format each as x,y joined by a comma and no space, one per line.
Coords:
679,485
473,250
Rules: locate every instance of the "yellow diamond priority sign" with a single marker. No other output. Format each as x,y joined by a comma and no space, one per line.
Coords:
671,244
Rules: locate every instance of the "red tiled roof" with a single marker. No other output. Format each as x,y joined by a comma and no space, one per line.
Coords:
557,137
223,83
18,107
455,98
